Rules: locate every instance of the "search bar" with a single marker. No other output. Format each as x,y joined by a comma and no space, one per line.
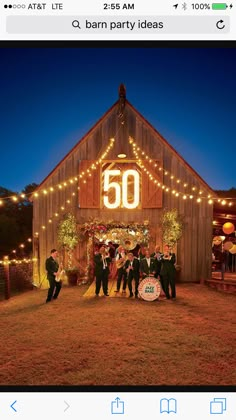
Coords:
119,24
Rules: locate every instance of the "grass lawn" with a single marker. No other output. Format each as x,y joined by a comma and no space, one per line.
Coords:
78,340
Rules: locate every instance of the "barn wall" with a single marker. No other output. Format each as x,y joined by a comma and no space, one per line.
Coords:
194,248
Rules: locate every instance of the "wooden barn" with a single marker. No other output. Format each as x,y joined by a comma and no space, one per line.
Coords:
117,181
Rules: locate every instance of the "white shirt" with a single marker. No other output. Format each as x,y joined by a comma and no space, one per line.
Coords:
104,263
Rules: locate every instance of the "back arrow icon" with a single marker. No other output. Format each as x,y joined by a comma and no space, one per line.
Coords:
12,406
67,406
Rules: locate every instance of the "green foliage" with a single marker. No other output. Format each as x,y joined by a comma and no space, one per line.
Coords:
67,236
171,226
67,232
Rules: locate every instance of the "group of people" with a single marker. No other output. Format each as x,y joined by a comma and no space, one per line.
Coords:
129,268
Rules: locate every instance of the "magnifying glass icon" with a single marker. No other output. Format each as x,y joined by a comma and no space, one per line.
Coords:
75,24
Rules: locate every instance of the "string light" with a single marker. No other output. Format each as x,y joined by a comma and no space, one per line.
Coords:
165,172
92,167
164,187
83,174
55,215
71,180
6,261
37,193
21,246
184,195
152,177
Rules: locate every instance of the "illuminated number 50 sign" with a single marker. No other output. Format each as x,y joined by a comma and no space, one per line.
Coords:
121,191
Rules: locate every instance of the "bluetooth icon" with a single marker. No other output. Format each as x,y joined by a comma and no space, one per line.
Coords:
184,6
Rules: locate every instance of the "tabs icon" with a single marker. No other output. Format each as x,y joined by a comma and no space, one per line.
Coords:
218,406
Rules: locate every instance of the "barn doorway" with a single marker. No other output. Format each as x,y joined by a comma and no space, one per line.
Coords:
132,237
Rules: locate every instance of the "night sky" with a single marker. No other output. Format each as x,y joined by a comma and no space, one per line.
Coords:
50,98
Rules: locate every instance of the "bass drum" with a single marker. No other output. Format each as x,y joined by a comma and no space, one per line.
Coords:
149,289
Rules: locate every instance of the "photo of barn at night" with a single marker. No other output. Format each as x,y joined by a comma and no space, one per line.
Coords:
116,184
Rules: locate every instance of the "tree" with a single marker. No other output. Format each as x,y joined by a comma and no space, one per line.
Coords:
231,193
16,221
171,227
68,236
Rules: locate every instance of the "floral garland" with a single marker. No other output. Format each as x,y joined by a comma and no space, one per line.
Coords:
132,233
117,230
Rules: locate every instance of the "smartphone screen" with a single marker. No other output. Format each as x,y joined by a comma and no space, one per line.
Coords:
117,209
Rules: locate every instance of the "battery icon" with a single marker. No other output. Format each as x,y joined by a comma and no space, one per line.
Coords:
219,6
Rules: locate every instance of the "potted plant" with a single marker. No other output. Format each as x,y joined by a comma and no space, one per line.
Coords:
68,238
72,276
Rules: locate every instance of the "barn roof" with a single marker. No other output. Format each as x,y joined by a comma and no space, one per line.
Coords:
148,125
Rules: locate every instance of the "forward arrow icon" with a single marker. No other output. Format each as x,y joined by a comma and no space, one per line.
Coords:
67,406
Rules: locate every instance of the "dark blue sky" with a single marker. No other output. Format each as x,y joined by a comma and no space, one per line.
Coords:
50,98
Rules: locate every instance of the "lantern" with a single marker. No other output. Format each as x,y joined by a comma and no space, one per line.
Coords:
233,250
228,228
228,245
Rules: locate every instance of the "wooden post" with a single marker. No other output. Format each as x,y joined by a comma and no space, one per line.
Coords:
7,278
89,251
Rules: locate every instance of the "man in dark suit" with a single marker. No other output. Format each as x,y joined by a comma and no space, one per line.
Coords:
121,273
141,253
157,255
148,265
101,270
132,270
52,267
168,272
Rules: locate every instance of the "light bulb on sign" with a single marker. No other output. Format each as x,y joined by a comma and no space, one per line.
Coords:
121,189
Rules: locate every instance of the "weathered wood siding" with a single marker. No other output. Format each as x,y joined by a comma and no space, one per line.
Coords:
194,248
